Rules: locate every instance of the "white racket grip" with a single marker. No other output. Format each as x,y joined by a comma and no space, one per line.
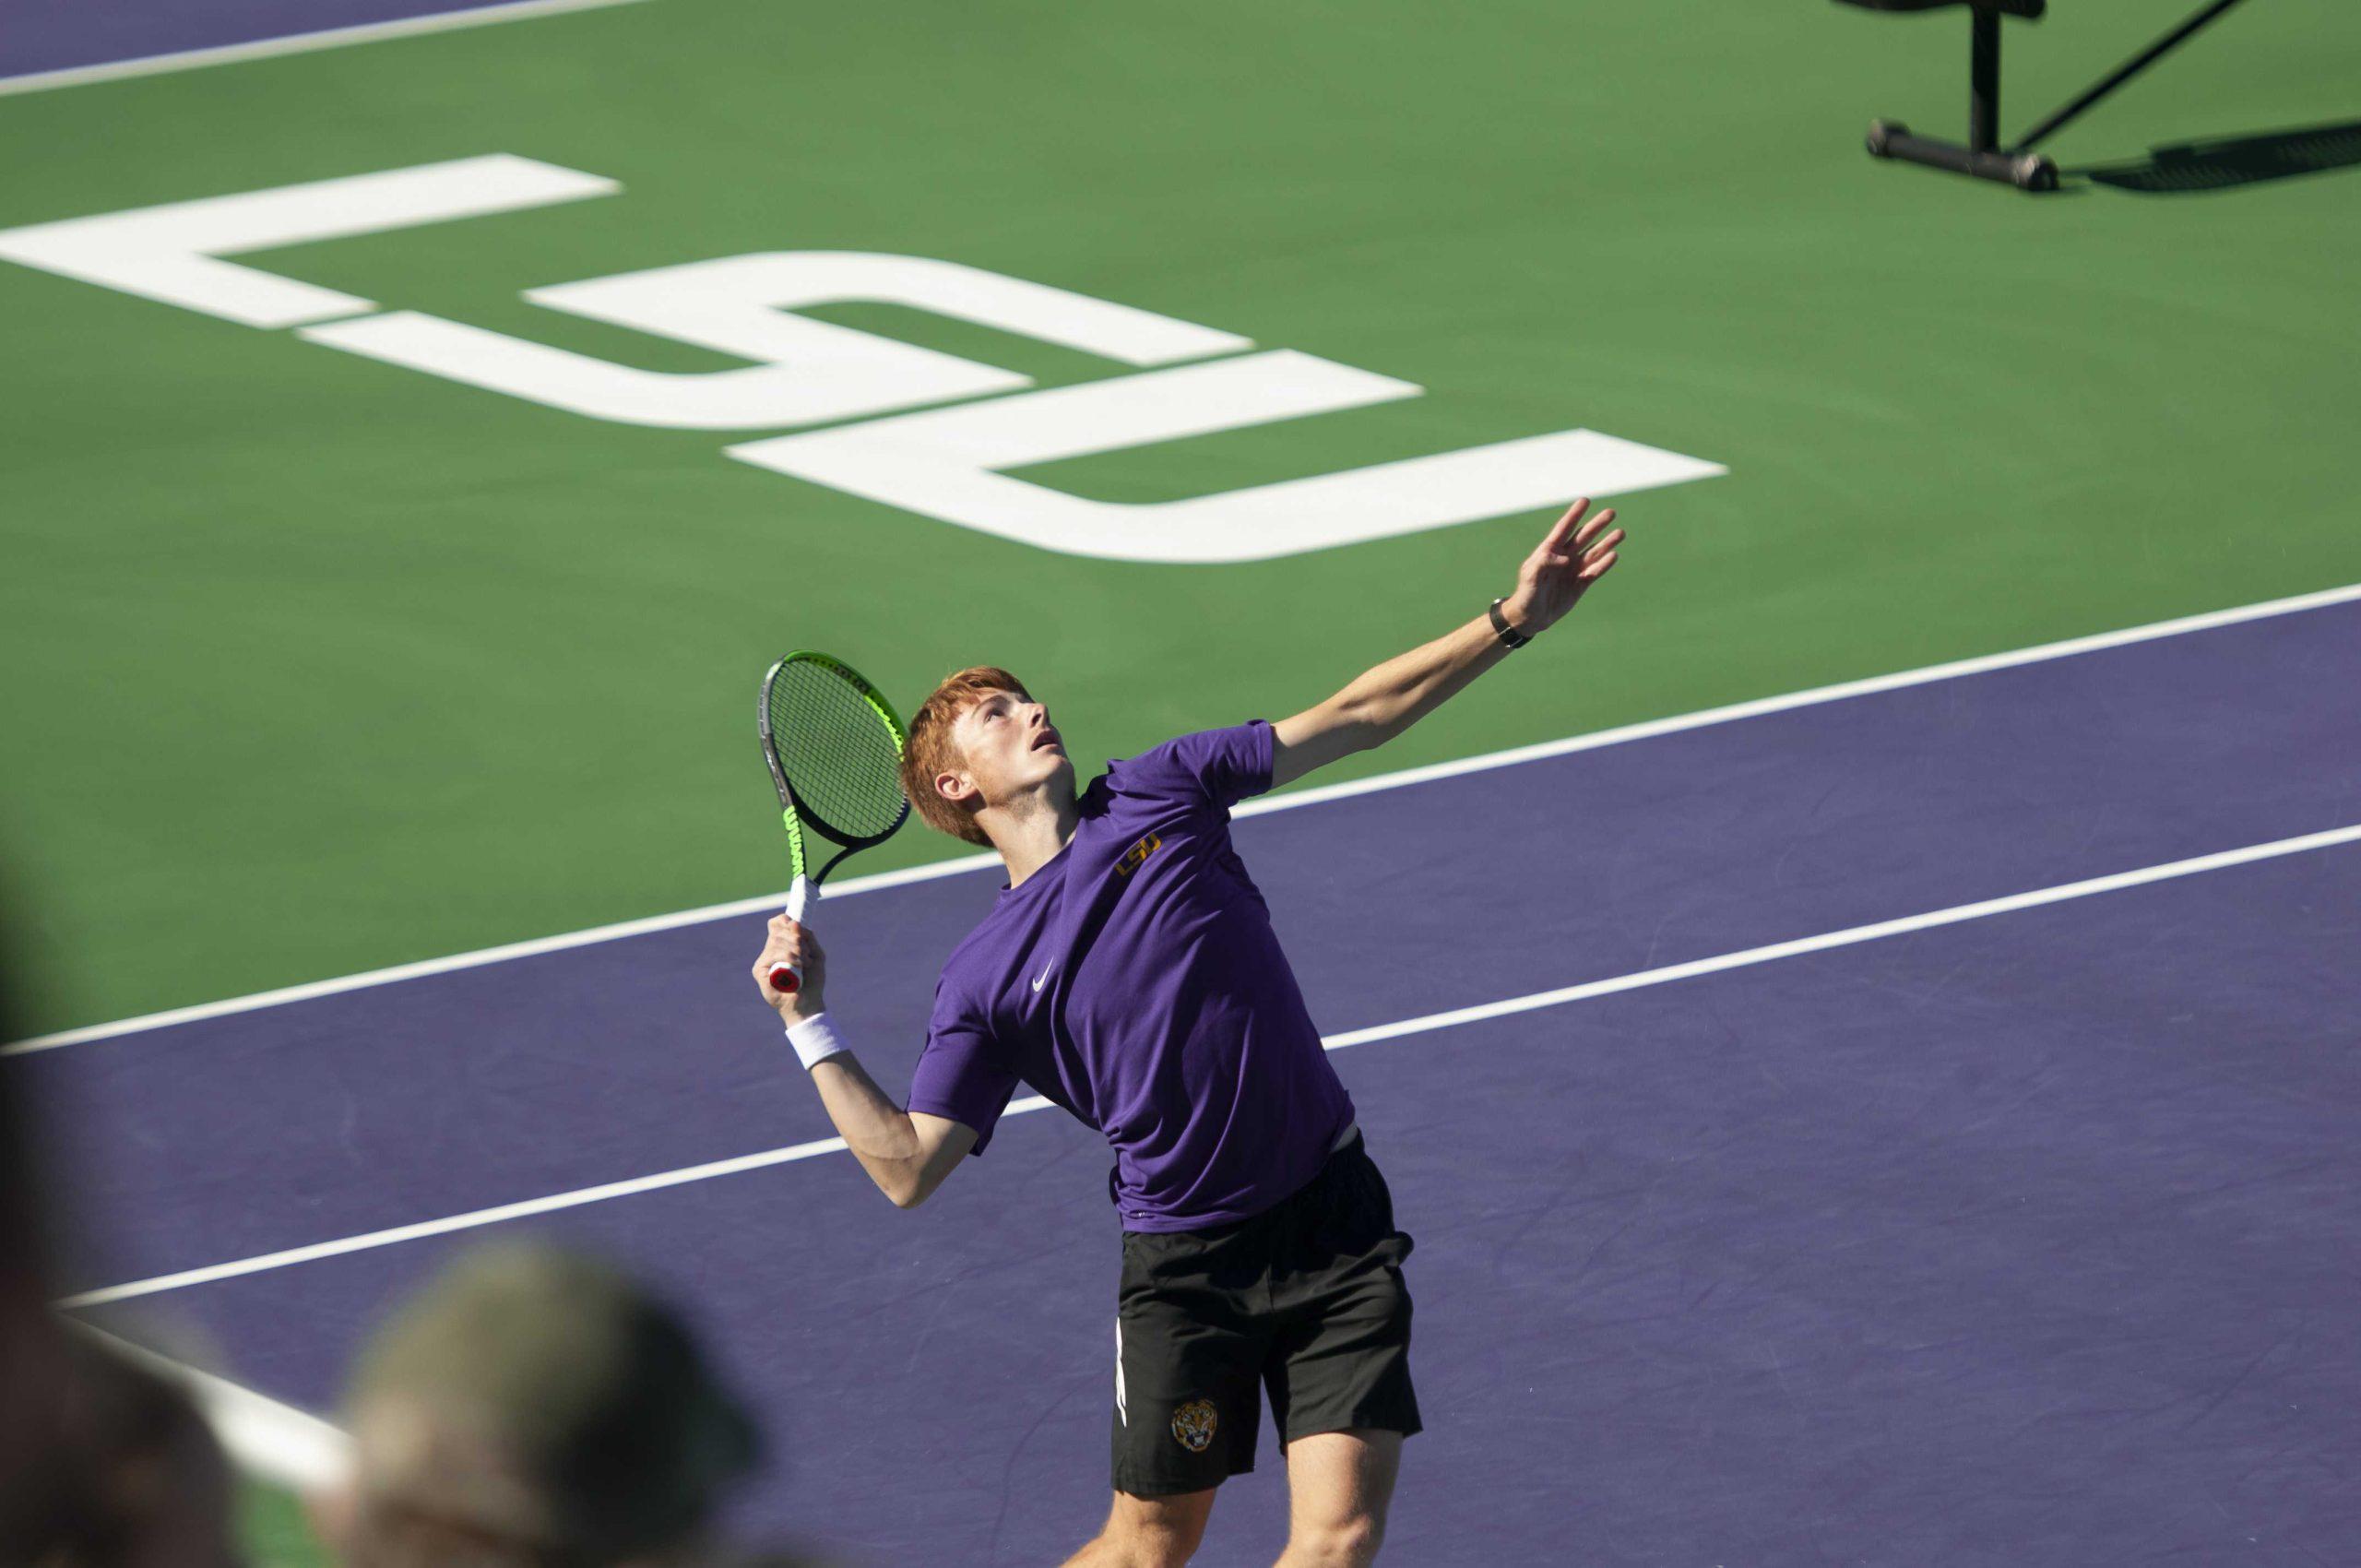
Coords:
786,978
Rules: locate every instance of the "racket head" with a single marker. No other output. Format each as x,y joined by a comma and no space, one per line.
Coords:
833,745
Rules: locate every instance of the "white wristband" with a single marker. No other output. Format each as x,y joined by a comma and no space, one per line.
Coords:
815,1040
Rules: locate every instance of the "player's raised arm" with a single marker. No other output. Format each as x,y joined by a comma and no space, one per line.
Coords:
1387,700
908,1154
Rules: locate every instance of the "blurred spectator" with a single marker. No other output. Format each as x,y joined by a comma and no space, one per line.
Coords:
533,1407
101,1465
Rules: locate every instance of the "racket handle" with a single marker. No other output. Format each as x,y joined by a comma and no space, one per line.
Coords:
786,978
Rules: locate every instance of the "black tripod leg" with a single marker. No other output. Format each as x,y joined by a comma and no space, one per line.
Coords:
2124,73
1984,81
2026,171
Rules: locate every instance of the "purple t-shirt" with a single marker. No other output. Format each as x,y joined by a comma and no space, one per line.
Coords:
1135,980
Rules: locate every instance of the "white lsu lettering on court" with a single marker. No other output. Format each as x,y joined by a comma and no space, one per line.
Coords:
947,463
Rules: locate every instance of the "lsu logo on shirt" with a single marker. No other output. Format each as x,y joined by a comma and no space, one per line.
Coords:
1136,856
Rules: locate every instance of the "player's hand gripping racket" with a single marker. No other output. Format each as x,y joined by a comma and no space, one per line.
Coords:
835,751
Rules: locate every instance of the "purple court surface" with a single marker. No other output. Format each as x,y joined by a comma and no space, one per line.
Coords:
2030,1238
39,36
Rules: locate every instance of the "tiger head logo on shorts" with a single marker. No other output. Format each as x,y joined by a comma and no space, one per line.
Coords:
1194,1424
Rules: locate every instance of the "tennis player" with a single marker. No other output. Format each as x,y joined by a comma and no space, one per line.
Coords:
1129,973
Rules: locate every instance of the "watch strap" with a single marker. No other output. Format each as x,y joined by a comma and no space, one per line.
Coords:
1509,634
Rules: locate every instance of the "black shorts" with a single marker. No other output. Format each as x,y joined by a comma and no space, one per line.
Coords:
1306,1300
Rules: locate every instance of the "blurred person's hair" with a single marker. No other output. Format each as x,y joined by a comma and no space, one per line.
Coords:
534,1408
101,1465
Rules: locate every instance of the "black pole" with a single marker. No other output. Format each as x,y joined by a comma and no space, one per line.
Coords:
1984,81
2130,68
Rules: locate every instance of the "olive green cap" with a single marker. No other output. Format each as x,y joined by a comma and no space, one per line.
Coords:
540,1395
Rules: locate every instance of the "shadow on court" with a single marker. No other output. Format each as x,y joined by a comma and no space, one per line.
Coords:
2227,162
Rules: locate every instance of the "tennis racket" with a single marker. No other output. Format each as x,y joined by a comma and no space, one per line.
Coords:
835,751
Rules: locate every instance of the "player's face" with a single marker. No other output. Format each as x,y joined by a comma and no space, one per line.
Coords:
1011,747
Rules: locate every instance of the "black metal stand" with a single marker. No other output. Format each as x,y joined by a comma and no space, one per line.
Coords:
1982,156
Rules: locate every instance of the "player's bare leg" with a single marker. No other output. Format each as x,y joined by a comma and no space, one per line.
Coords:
1148,1532
1339,1484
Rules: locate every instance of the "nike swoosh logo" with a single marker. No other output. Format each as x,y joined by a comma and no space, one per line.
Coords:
1045,975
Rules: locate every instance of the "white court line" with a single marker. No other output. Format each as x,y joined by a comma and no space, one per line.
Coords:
296,43
272,1442
770,902
1849,936
767,903
456,1222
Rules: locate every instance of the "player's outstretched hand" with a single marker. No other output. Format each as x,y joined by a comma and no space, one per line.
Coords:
1562,566
793,945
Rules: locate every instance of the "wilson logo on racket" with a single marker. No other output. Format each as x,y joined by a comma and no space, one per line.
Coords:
1136,856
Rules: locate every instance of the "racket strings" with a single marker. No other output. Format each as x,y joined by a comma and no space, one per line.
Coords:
838,753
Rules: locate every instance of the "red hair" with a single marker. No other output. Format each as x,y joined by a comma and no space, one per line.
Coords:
932,750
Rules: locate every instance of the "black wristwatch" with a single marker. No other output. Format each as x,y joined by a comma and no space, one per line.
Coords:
1509,634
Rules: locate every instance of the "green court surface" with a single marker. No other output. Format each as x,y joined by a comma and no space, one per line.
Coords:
322,665
275,1532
